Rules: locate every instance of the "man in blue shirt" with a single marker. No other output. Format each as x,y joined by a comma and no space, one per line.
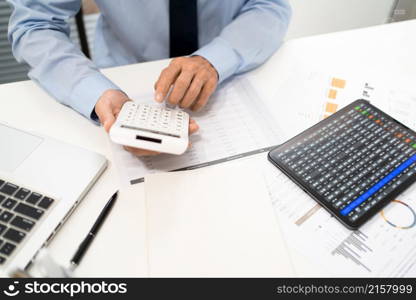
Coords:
212,40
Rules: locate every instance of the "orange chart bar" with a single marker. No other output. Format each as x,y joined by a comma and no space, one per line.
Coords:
331,107
332,94
338,83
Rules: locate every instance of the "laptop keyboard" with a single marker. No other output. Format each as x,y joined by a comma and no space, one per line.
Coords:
20,210
355,161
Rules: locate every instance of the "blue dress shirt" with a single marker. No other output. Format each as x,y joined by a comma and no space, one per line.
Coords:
234,36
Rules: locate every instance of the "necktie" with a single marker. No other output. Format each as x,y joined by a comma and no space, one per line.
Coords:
183,21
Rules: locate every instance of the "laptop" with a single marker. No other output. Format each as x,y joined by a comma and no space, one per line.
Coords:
41,182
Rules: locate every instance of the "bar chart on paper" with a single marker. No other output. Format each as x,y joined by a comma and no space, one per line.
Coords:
234,124
311,97
384,248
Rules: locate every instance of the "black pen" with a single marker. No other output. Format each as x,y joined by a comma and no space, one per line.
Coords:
83,247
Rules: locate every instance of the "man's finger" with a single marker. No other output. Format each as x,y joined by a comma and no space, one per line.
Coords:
180,87
193,127
194,90
117,109
206,92
166,79
107,118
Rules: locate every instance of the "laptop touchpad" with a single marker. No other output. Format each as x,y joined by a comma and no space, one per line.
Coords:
15,147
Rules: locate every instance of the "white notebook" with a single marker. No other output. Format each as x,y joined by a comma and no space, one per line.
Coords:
215,221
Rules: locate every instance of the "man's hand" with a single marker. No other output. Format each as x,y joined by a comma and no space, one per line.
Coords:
193,80
109,106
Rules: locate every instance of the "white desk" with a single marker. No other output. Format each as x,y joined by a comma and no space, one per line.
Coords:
119,248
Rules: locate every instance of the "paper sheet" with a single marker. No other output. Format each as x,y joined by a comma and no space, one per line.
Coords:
305,98
234,124
378,248
215,221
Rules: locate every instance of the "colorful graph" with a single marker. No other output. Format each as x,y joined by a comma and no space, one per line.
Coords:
397,226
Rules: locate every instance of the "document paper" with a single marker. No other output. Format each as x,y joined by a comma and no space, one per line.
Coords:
215,221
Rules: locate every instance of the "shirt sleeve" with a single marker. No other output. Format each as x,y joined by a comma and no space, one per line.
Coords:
39,34
253,36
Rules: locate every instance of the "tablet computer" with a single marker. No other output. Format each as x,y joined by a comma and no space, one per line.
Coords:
353,163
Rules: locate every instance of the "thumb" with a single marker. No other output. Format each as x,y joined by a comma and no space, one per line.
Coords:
193,126
109,122
107,119
108,105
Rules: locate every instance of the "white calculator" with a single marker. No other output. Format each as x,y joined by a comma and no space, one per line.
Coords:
151,127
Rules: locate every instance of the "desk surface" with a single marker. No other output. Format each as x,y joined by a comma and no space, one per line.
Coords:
119,248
